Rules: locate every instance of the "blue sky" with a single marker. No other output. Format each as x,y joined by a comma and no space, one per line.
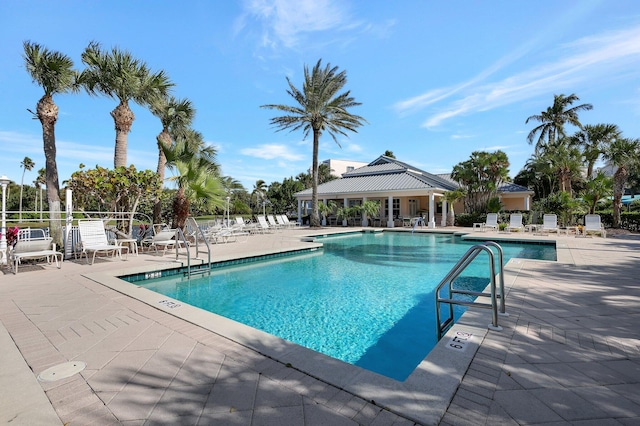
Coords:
437,80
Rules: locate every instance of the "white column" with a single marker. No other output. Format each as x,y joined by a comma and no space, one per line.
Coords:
3,240
365,219
345,204
526,202
390,213
324,218
445,212
299,211
432,211
68,224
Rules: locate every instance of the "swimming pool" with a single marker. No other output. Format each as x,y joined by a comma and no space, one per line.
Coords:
365,298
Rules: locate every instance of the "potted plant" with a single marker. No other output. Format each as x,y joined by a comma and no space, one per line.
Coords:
369,210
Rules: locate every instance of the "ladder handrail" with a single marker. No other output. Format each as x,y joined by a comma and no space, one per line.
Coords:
180,237
457,269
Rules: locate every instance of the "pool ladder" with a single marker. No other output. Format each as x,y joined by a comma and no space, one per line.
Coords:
494,295
195,232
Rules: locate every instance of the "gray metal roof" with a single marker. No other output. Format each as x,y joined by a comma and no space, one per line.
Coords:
382,175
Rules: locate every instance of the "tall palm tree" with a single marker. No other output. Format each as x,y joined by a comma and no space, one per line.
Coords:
26,164
176,116
594,139
565,161
197,175
39,182
54,72
259,190
554,118
596,188
117,74
622,154
321,109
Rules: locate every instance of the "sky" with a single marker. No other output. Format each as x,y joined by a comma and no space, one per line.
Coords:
437,80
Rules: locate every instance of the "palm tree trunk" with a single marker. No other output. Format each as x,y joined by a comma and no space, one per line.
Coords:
123,118
47,112
314,221
163,140
619,179
180,209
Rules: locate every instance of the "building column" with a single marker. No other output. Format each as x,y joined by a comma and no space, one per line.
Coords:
345,204
390,212
324,219
299,211
526,202
432,211
445,213
365,219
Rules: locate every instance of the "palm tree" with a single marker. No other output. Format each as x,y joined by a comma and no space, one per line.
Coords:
321,109
176,116
117,74
596,188
594,139
259,190
451,197
565,161
54,72
26,164
554,118
39,182
198,175
623,154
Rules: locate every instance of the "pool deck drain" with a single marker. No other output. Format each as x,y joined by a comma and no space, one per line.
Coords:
569,352
61,371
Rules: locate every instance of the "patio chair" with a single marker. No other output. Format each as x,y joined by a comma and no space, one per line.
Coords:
93,239
36,248
286,220
491,222
249,226
263,225
164,240
515,223
593,224
272,223
549,223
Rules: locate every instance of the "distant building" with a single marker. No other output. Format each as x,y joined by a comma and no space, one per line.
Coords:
339,167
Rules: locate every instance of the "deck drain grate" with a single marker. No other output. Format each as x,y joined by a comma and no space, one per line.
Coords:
61,371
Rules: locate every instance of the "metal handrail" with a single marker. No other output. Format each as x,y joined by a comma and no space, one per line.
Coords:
458,268
179,236
192,222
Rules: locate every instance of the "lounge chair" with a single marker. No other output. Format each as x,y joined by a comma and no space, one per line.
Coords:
549,223
281,222
37,248
273,224
593,224
164,240
491,222
290,224
263,226
247,226
94,240
515,223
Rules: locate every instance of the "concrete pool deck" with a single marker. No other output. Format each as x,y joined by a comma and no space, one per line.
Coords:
569,351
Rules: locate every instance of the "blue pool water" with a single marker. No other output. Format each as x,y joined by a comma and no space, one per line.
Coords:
367,299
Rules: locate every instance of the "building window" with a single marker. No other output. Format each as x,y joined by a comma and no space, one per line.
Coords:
396,207
350,169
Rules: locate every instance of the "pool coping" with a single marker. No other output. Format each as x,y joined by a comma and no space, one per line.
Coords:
423,397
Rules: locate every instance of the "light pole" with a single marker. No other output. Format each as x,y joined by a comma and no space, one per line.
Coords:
228,208
4,181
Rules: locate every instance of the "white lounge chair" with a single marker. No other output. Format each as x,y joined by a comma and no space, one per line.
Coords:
593,224
515,223
37,248
263,225
164,240
272,223
491,222
94,240
549,223
286,220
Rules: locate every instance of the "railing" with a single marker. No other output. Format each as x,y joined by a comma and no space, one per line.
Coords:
455,272
195,231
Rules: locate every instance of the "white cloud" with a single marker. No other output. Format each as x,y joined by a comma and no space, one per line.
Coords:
610,54
286,21
272,151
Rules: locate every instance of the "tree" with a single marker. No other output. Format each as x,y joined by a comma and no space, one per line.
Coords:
321,109
389,154
26,164
176,116
554,118
594,139
260,191
595,189
565,161
39,182
451,197
480,177
197,178
623,154
117,74
54,72
120,190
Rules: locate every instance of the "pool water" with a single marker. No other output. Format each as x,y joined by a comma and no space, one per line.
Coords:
366,298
